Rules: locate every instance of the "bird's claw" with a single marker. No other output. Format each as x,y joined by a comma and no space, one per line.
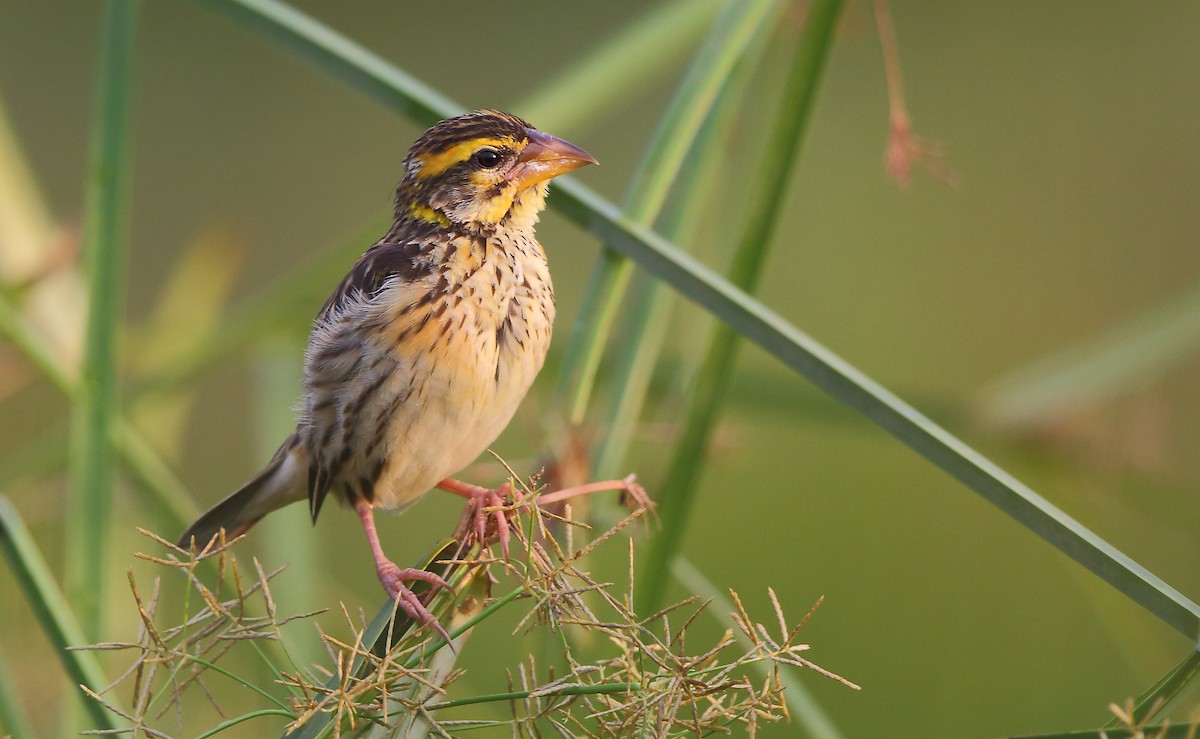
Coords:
635,496
487,505
484,502
393,580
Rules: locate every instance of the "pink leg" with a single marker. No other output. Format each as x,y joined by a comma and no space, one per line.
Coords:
393,578
479,498
475,516
629,486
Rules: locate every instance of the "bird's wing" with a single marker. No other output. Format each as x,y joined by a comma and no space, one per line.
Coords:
407,261
339,327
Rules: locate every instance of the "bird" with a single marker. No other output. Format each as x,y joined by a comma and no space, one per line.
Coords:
421,356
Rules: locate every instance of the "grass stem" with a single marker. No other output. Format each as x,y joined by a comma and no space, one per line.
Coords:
95,412
768,196
735,28
52,609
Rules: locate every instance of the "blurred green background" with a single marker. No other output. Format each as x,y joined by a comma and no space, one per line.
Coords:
1071,127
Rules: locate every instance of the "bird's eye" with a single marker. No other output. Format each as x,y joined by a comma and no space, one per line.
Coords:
487,158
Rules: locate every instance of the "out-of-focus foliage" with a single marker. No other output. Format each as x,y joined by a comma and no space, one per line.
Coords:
1065,127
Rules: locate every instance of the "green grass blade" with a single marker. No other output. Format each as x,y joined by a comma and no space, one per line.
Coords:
519,694
12,718
176,506
166,492
52,610
34,347
611,73
768,193
825,369
230,723
276,306
94,416
756,322
408,724
1119,359
278,378
337,55
738,24
647,318
1181,679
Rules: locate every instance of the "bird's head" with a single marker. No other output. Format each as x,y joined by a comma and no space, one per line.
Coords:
482,169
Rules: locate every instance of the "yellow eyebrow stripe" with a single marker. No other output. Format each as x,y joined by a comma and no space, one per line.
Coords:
434,164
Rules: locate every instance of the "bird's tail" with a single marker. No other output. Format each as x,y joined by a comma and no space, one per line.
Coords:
283,481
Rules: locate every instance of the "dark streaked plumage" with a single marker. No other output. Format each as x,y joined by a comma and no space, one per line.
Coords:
424,351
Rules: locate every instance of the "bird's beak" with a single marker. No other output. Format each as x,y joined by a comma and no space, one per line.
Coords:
547,156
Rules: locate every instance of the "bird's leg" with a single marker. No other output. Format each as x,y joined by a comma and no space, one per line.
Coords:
480,499
475,515
631,492
393,578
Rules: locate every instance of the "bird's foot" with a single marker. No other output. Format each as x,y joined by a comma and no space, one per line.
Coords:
632,493
393,579
488,505
485,505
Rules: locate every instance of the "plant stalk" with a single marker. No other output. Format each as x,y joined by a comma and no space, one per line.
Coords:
95,413
53,610
737,25
768,196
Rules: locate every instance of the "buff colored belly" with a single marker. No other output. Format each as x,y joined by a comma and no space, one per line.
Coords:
409,387
454,411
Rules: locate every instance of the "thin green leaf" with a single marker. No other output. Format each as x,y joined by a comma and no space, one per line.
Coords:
340,57
52,609
230,723
610,74
601,689
34,346
647,316
738,24
155,476
12,718
375,631
1119,359
768,195
273,307
1181,679
95,415
278,379
408,724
